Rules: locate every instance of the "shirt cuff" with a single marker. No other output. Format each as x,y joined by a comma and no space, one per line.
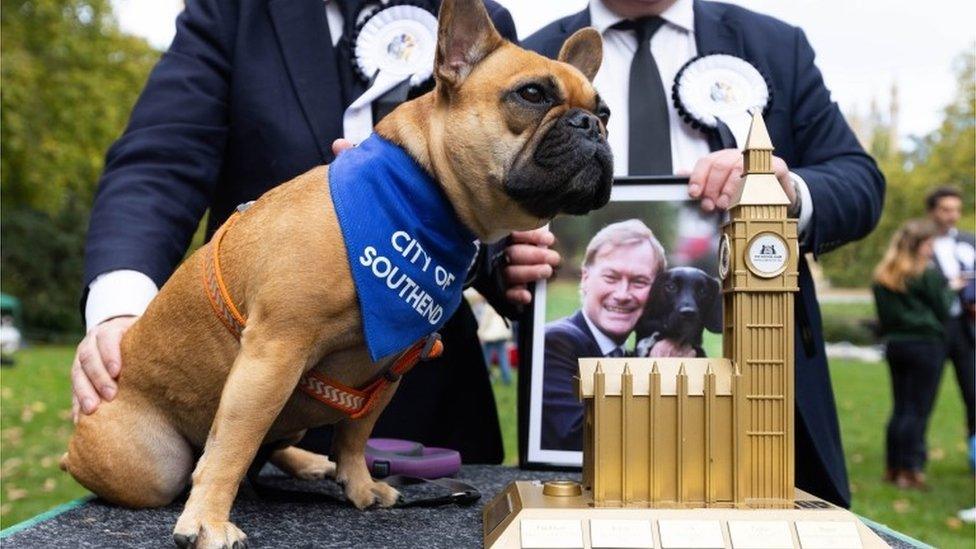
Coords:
118,293
806,205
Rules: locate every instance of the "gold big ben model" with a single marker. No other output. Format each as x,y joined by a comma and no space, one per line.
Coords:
683,453
758,266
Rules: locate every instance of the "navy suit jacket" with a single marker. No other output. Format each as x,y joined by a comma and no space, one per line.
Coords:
249,95
847,190
567,340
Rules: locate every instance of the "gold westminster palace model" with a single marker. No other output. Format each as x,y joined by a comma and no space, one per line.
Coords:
683,453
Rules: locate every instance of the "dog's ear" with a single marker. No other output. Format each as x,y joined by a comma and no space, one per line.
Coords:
658,305
583,50
465,36
713,316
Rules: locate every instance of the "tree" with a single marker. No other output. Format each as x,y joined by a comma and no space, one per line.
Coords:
946,156
70,78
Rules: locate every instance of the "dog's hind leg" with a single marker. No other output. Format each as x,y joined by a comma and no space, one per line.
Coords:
303,464
349,448
128,453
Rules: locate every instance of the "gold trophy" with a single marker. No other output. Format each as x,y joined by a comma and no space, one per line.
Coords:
682,453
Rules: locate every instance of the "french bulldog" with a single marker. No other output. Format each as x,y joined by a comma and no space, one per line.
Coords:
511,140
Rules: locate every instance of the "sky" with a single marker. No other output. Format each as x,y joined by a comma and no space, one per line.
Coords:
862,46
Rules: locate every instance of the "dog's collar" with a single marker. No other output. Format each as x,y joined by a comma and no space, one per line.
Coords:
348,400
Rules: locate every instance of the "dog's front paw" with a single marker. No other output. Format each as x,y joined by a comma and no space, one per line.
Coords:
367,494
206,534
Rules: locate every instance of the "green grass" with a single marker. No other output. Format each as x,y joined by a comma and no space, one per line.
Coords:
35,424
864,403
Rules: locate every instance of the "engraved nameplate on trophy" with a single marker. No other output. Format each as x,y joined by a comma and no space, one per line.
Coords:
552,534
828,534
760,534
621,534
691,534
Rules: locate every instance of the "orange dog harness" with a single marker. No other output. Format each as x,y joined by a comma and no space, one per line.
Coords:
354,402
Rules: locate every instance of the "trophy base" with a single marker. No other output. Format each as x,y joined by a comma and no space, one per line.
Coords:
537,515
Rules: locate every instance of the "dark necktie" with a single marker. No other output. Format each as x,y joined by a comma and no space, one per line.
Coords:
649,145
616,353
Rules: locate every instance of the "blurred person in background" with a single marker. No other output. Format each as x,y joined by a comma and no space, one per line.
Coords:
494,333
955,257
913,303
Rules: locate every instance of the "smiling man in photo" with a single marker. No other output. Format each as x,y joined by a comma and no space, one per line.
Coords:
619,267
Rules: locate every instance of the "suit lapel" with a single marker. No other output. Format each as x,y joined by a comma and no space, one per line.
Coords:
580,323
576,22
303,36
712,34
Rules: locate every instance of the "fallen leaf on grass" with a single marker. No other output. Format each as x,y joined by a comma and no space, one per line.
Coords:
14,493
953,523
10,466
901,506
6,392
26,414
38,406
13,435
65,414
857,458
49,461
49,484
855,487
5,508
937,454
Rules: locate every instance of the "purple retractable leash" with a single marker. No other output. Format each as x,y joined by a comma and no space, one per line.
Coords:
399,463
403,462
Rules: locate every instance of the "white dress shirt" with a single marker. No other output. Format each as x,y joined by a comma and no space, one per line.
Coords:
672,45
951,255
128,292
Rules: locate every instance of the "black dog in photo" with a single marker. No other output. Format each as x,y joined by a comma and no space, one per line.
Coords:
683,301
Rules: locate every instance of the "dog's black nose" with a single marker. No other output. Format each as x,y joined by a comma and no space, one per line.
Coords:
583,121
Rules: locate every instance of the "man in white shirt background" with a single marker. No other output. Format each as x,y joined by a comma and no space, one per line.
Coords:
955,257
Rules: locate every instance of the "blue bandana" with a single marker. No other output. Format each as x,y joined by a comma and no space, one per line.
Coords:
408,252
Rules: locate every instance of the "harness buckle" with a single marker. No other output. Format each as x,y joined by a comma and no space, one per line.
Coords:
431,345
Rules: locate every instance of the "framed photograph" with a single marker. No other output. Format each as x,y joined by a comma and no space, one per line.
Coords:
639,277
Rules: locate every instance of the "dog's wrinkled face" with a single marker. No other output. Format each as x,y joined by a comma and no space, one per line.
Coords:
525,136
683,301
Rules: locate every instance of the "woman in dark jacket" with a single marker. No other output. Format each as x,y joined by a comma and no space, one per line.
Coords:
913,302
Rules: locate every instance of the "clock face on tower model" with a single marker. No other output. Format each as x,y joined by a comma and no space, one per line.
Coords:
767,255
724,257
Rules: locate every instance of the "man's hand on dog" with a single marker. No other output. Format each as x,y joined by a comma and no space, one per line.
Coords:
529,257
717,177
97,363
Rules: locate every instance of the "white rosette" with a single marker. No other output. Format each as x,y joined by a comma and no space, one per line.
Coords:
394,44
720,88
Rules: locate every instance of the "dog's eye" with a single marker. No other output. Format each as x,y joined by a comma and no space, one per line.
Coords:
670,287
532,93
